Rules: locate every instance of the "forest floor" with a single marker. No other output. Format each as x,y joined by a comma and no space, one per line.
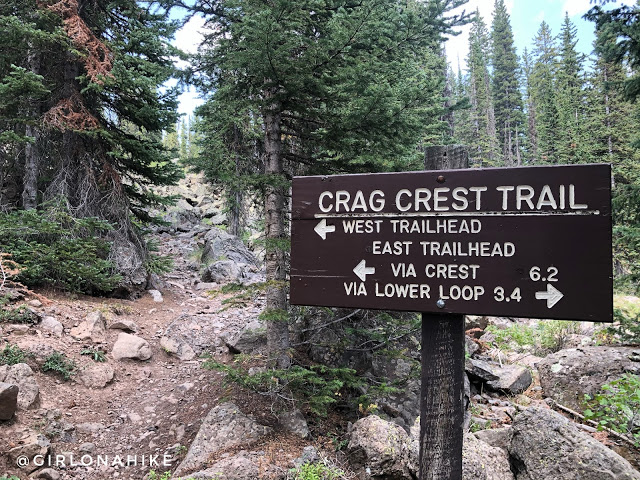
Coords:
151,408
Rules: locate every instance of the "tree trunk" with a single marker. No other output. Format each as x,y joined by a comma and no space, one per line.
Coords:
31,168
276,314
31,164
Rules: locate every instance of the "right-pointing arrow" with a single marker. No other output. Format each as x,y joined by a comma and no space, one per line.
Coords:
552,295
362,270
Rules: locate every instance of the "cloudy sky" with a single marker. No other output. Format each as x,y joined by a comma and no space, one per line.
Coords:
526,16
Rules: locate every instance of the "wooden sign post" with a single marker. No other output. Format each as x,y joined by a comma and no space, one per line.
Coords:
442,360
521,242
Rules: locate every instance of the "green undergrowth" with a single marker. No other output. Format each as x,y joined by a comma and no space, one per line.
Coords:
59,364
12,355
315,388
316,471
617,407
545,337
53,248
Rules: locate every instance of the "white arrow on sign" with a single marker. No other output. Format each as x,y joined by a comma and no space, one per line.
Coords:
552,295
362,271
322,228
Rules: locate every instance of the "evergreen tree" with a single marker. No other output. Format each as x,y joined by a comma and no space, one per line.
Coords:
94,133
506,89
570,98
613,127
542,84
483,142
531,144
334,86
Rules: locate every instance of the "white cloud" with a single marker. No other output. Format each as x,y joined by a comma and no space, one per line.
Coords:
576,7
457,47
190,35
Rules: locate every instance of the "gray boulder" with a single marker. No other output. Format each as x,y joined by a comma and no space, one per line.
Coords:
252,338
220,245
295,423
124,325
224,427
510,379
50,324
22,376
93,328
189,336
242,466
8,400
222,271
131,347
481,461
547,446
568,375
95,375
381,448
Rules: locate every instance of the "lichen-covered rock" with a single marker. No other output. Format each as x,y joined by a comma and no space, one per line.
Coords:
570,374
131,347
547,446
222,271
381,448
224,427
191,335
220,245
481,461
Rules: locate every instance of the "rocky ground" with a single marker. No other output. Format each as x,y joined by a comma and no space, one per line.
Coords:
152,406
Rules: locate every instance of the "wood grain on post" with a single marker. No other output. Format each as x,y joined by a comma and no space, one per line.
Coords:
442,390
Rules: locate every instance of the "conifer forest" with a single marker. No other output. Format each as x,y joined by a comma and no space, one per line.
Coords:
98,197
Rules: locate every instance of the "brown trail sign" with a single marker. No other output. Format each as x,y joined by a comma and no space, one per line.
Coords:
529,242
521,242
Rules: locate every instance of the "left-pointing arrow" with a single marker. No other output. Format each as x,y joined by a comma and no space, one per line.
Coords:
362,271
322,228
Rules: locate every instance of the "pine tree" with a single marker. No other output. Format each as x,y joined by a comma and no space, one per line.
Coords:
484,144
95,136
542,84
531,144
506,88
334,87
570,98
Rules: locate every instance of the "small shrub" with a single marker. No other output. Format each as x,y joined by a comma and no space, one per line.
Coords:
58,363
12,355
316,387
96,354
547,336
12,477
54,248
617,406
626,326
20,315
316,471
155,262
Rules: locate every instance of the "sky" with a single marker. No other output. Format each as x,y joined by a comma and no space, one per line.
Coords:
526,16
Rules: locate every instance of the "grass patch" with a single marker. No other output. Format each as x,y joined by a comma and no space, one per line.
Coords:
546,337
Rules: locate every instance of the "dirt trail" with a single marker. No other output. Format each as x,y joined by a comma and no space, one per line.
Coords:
151,408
